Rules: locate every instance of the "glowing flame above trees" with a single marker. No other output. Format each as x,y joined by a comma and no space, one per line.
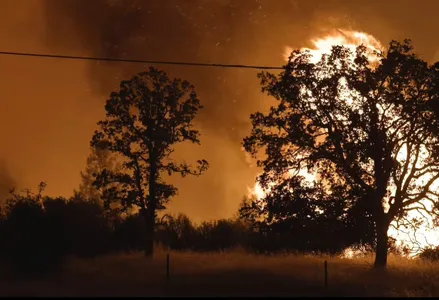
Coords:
349,39
407,237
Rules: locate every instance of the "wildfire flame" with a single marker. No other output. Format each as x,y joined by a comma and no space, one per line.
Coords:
408,238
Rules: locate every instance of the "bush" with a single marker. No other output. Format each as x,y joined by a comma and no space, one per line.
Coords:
87,229
431,254
30,239
129,233
176,233
217,236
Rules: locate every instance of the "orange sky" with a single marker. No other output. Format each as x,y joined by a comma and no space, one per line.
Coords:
48,108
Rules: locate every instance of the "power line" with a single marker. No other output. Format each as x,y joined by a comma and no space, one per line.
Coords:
156,62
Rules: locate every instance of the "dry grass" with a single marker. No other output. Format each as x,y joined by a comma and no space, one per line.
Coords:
232,274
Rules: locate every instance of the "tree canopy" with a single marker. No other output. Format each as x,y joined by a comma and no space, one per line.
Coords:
362,122
144,121
98,161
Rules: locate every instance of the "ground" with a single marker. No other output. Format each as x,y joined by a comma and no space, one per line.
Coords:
233,273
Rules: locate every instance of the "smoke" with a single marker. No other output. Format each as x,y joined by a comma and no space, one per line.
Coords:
6,181
225,31
220,31
196,30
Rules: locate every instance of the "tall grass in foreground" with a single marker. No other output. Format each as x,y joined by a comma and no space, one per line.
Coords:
233,273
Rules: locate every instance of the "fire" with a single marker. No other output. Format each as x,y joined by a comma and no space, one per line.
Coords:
410,239
349,39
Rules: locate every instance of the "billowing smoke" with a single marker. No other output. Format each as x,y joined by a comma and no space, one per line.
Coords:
6,181
197,30
220,31
228,31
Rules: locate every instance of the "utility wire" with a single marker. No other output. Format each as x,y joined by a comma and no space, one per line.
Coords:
156,62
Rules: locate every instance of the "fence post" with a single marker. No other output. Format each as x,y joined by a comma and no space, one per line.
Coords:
167,267
326,274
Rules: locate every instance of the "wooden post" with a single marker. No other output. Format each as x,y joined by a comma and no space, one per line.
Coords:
326,274
167,267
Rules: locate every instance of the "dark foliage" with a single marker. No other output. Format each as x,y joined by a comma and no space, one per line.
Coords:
355,157
38,233
89,231
129,234
145,119
363,126
33,243
431,254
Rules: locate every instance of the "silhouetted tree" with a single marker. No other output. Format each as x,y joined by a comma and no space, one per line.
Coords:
98,161
433,103
144,121
363,127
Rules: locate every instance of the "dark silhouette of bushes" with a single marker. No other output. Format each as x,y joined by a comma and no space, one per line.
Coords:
82,228
177,233
87,228
218,235
31,240
128,234
40,234
37,233
431,254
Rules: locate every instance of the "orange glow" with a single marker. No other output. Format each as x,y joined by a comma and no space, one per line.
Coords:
413,240
349,39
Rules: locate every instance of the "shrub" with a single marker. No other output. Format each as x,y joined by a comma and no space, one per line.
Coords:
431,254
30,239
87,228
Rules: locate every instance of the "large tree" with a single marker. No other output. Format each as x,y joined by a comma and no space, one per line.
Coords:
144,121
363,125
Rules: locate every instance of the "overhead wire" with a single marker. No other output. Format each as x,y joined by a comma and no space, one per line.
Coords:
153,62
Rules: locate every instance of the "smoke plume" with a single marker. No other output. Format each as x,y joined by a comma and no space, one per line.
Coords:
217,31
6,181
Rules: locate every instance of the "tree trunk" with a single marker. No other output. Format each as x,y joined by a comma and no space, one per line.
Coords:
150,210
149,235
382,245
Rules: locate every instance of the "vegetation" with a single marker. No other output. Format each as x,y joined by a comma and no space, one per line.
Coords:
98,161
232,273
38,234
431,253
354,147
365,128
145,120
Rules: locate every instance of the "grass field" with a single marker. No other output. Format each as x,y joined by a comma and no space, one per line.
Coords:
232,274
